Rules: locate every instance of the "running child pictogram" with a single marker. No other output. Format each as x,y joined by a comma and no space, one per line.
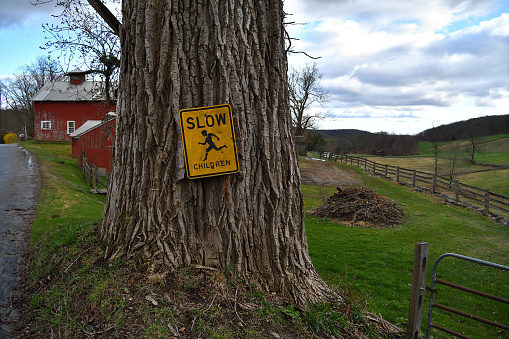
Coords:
209,141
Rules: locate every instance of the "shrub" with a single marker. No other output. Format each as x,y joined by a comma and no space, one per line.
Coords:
9,138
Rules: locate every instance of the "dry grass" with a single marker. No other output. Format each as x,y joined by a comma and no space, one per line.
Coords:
87,297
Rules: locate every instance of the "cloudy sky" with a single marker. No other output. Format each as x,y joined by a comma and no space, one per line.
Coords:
401,66
397,66
21,34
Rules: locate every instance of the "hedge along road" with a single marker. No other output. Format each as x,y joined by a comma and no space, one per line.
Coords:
19,187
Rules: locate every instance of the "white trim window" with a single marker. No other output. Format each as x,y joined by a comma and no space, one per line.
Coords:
70,127
46,125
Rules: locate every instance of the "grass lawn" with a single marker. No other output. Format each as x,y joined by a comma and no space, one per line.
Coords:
378,262
496,180
72,210
72,292
375,264
494,150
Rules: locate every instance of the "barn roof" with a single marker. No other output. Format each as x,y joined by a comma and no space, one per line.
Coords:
65,91
87,127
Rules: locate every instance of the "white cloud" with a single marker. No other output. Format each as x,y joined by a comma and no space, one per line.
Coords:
496,96
407,59
21,12
428,14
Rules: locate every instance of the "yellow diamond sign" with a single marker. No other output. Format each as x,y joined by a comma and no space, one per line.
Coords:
209,141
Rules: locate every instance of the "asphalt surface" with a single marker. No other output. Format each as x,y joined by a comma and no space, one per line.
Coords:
19,187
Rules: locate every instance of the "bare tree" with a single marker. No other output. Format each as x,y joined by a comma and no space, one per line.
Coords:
28,80
306,93
85,41
179,54
435,137
19,90
452,163
343,145
475,139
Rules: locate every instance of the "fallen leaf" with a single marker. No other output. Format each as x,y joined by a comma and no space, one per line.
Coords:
152,300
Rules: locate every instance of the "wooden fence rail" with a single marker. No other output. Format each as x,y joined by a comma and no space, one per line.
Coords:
91,174
430,181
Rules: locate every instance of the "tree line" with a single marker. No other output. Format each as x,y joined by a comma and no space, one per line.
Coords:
16,107
461,130
361,143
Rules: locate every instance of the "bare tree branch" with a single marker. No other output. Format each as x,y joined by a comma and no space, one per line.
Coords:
289,48
88,38
25,83
305,92
309,56
105,13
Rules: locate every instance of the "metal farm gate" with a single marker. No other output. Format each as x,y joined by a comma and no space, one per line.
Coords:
432,290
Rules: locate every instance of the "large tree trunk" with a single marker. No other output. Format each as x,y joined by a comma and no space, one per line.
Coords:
185,54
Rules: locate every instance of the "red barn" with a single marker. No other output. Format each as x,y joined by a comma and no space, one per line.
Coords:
95,139
63,106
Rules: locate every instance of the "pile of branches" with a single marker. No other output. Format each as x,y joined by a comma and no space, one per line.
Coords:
360,207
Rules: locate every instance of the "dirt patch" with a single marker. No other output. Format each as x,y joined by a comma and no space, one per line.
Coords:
318,172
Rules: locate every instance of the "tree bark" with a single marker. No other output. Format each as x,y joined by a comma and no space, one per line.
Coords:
185,54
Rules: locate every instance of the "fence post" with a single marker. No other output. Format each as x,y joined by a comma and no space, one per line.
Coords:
434,182
83,162
486,202
397,174
413,178
456,190
386,166
421,251
92,177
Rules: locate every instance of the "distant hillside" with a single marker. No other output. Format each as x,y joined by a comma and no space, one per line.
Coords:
337,133
357,141
479,127
361,142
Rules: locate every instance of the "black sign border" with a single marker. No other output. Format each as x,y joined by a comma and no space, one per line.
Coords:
184,141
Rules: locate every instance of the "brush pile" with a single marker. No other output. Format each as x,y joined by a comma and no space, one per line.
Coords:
360,207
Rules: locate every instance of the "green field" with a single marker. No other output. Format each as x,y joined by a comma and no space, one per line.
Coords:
494,150
373,264
381,267
378,262
72,209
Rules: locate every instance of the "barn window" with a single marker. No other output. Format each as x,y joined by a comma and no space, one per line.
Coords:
45,124
70,127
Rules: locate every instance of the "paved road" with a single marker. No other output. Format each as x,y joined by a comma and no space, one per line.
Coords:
19,186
